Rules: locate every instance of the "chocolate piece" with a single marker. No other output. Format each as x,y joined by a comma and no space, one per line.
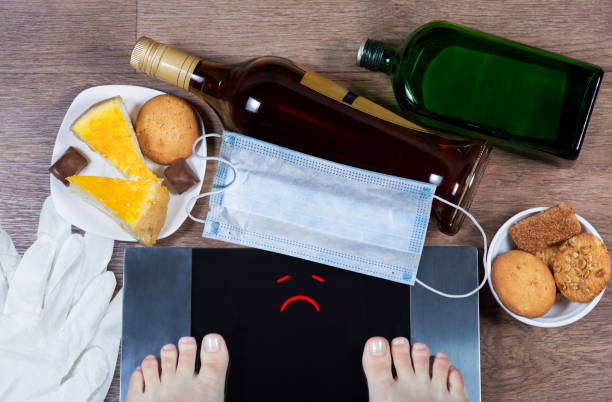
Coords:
181,176
69,164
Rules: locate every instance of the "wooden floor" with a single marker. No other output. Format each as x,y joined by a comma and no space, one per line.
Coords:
51,50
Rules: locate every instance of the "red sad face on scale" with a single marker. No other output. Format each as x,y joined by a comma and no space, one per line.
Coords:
300,297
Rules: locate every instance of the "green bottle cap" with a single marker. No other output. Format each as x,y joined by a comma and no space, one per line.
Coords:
370,54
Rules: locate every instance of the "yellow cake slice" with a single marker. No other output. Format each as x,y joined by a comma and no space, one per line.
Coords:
107,129
138,206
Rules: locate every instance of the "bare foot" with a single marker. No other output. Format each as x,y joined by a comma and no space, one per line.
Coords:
178,381
411,384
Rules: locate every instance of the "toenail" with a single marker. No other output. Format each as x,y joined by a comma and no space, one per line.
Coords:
441,355
419,346
138,368
149,357
212,343
399,341
169,346
378,347
187,339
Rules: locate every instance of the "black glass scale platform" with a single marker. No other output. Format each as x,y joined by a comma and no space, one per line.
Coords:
295,329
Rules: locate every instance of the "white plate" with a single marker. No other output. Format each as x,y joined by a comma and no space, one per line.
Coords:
563,312
83,215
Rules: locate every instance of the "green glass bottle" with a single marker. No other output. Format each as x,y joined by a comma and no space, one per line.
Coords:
457,79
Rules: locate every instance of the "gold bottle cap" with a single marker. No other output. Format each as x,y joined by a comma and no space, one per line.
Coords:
164,62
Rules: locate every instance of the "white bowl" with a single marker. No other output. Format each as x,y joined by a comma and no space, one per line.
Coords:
563,312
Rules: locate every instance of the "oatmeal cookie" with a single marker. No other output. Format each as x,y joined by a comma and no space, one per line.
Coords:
582,268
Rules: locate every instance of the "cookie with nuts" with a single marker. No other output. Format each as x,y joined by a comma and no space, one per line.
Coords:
582,267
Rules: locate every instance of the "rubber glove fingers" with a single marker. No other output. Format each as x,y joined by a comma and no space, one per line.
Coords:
107,338
27,289
85,316
87,375
109,332
52,224
66,271
67,263
98,252
3,291
9,258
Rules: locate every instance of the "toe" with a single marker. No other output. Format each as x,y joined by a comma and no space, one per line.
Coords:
439,371
187,356
214,358
377,363
400,349
168,356
150,372
420,360
456,386
136,386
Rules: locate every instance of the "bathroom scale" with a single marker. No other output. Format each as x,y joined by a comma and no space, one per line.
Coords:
295,329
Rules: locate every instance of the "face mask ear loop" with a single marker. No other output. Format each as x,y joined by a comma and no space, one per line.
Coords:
484,257
193,200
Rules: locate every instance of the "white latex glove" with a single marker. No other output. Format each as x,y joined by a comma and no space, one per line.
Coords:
59,338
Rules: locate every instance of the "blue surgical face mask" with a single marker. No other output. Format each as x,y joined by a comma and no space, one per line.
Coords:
276,199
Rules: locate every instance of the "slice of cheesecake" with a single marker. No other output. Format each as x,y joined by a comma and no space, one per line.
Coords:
138,206
107,129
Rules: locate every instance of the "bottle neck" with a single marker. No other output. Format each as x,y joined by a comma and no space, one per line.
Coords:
210,79
211,82
389,61
376,56
179,68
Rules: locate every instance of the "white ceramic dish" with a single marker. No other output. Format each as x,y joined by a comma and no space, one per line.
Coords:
82,214
563,312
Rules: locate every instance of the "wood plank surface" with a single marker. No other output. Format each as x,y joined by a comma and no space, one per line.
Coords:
56,36
52,50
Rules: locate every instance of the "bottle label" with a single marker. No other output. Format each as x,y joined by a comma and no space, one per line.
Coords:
332,90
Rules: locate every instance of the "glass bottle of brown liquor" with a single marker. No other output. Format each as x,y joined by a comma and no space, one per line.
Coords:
274,100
